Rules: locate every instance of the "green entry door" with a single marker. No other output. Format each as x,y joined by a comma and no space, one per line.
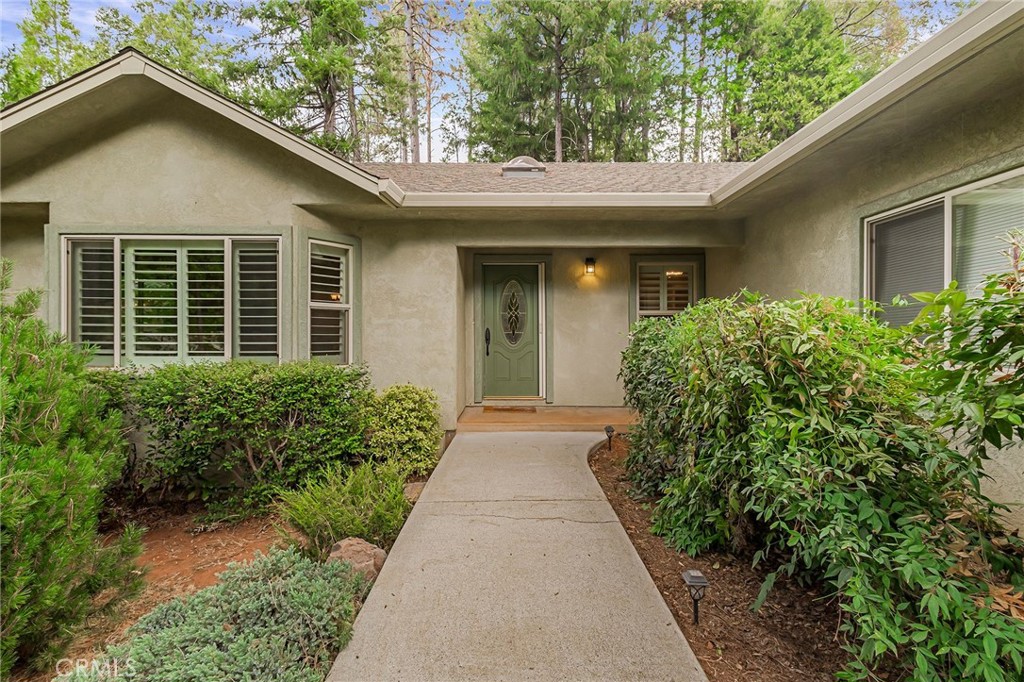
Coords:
510,343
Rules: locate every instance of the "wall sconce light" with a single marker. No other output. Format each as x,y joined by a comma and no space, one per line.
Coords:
590,266
696,583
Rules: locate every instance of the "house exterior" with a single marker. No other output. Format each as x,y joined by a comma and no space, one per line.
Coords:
145,204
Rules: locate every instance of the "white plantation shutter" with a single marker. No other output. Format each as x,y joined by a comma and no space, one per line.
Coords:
329,305
908,258
205,300
92,303
256,299
980,219
664,289
152,302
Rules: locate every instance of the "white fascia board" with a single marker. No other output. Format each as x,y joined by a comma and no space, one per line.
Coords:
982,26
133,63
390,192
557,200
22,111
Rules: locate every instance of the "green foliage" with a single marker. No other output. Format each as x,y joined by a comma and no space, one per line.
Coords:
974,357
790,430
60,448
263,425
405,428
367,502
279,617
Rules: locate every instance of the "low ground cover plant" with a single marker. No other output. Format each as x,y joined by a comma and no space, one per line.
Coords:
791,431
60,449
280,617
367,501
405,428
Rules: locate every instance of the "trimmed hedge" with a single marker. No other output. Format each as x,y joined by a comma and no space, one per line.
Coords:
280,617
789,430
241,428
60,448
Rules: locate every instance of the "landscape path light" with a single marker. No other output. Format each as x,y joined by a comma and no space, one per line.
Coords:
696,583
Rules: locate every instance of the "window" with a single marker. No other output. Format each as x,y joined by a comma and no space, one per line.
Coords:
330,303
173,300
664,288
954,236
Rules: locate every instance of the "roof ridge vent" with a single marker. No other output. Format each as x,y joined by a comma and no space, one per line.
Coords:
523,167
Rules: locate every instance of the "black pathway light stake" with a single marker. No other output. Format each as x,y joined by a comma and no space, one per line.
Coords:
609,431
696,583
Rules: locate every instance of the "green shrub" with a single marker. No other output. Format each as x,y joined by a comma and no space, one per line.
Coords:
405,428
790,430
974,359
367,502
264,425
59,450
280,617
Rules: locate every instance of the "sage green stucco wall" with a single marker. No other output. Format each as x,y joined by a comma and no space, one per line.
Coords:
813,240
21,241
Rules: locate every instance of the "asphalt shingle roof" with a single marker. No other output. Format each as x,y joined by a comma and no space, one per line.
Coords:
559,178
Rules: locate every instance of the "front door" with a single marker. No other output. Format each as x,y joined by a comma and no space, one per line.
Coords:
511,337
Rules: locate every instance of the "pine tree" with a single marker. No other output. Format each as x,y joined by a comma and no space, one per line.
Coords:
51,50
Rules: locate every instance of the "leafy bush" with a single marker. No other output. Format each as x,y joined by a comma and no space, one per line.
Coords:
974,362
264,425
405,428
59,450
789,429
281,617
366,502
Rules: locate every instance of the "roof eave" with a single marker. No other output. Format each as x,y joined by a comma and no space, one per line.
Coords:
556,200
982,26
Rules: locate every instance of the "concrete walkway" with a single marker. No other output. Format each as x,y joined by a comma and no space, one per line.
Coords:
513,566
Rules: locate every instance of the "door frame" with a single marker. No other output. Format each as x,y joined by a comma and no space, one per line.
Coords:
544,317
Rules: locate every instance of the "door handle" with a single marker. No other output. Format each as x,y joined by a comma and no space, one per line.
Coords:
487,341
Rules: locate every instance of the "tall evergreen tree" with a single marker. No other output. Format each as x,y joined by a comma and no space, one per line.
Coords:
51,50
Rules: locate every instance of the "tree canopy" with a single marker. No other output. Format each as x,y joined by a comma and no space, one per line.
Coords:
561,80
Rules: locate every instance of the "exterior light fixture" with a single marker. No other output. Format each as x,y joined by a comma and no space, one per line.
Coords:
590,266
609,431
696,583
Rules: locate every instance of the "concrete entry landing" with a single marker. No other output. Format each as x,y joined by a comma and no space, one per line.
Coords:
513,566
543,418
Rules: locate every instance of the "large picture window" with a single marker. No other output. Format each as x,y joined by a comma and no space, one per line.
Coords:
330,304
953,236
173,300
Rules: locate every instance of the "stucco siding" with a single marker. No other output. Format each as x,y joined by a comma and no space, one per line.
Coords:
811,239
21,240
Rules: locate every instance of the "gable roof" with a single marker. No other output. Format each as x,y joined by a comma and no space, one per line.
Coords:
577,185
131,62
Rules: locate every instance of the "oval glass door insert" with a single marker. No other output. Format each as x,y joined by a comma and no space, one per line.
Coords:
513,311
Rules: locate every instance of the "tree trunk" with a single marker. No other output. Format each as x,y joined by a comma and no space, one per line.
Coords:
353,123
414,114
559,75
698,116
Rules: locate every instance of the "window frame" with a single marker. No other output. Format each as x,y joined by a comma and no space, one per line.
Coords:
693,261
118,240
948,247
347,306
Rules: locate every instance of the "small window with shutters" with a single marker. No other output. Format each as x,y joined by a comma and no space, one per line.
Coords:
330,305
664,288
981,220
177,300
